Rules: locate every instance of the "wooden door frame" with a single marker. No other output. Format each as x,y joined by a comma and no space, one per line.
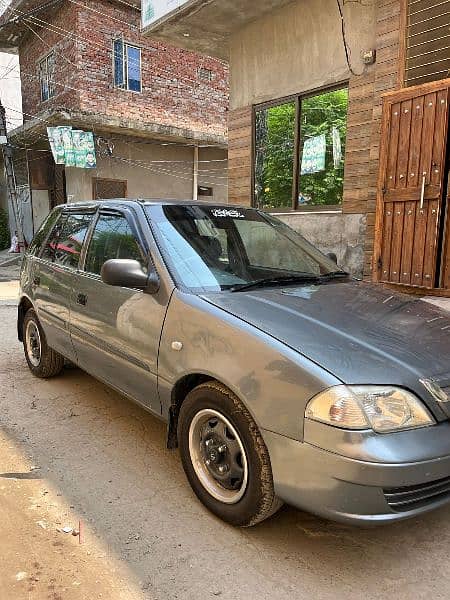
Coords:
400,95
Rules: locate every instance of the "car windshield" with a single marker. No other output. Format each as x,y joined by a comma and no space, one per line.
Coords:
209,248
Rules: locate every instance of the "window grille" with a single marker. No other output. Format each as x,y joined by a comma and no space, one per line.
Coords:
205,74
47,76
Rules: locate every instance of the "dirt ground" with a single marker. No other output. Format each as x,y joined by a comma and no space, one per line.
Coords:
72,450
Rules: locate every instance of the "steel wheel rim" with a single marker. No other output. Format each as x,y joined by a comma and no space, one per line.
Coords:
225,476
33,343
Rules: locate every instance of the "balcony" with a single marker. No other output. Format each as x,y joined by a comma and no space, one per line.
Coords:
207,25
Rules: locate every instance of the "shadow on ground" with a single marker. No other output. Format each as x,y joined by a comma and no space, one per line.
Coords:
108,458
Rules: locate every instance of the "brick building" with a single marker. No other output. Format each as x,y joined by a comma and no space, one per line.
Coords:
363,173
158,113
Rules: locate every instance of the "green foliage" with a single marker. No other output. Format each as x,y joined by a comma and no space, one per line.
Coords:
319,115
275,132
4,230
277,128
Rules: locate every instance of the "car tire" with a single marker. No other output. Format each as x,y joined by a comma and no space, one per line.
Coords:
236,484
43,361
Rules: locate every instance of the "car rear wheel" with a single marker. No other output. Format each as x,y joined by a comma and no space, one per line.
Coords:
224,456
42,360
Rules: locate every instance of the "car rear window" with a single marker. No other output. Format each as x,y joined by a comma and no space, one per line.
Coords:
64,245
42,233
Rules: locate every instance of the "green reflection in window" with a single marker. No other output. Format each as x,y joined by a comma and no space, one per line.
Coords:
274,156
322,148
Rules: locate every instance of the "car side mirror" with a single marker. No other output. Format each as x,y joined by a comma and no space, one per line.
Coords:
332,256
121,272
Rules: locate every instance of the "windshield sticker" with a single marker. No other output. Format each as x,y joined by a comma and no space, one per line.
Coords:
226,212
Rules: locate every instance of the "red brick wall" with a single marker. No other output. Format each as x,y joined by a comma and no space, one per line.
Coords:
172,92
66,53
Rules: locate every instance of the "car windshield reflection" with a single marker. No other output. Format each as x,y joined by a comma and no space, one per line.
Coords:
219,248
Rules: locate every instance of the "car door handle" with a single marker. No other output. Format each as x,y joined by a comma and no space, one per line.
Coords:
82,299
36,280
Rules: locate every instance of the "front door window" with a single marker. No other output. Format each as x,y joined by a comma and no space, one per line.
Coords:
112,238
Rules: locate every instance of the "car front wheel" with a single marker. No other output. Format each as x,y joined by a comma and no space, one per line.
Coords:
42,360
224,456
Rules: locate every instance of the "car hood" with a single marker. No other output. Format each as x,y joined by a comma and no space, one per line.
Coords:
360,332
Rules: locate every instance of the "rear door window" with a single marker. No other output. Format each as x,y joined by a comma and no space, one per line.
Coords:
66,240
112,238
42,233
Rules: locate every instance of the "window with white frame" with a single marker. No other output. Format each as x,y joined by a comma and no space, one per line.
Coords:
127,66
205,74
46,76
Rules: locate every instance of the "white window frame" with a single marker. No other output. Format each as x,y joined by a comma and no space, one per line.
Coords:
125,46
49,78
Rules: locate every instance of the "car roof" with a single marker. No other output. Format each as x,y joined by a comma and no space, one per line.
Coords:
120,202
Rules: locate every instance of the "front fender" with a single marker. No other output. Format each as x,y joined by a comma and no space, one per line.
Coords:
273,381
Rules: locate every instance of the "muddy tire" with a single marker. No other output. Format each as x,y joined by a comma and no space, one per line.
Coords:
42,360
224,456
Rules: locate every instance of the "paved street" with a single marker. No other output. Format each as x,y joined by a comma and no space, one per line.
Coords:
73,450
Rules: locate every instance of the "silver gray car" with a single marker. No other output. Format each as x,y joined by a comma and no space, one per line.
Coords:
281,378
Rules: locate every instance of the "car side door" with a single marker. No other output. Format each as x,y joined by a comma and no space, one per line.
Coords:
52,277
115,330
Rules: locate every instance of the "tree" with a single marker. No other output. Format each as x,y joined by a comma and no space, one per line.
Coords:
276,127
275,135
4,230
319,115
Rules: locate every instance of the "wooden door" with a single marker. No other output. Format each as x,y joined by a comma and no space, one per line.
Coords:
411,185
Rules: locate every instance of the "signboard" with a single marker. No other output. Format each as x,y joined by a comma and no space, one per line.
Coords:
313,158
153,10
72,147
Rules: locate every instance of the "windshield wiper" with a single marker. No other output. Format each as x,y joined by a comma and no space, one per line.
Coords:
334,275
302,277
299,278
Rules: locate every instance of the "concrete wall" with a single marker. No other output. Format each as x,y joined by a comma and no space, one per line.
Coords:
41,207
153,171
333,232
297,48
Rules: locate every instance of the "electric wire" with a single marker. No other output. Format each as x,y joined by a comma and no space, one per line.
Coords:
56,29
345,42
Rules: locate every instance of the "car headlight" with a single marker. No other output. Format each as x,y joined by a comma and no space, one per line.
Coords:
381,408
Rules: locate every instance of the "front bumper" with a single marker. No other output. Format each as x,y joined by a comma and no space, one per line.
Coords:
355,491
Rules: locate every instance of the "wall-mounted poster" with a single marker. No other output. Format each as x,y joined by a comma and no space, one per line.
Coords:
153,10
56,144
72,147
69,151
78,146
89,145
313,158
